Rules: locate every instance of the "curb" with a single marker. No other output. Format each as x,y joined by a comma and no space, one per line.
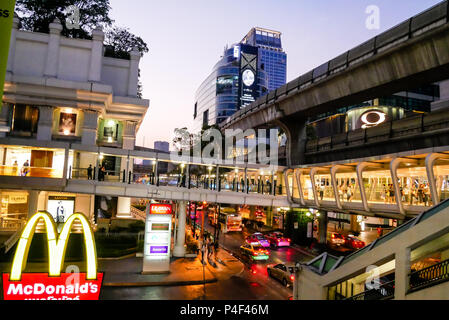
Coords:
131,255
304,251
161,283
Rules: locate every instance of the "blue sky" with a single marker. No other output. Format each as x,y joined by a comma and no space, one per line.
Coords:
186,39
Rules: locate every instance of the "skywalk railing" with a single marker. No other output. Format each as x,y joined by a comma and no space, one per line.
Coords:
429,276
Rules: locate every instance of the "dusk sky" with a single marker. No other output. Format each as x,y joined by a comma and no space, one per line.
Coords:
186,39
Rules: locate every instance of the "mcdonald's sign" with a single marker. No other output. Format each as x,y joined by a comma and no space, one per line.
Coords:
54,285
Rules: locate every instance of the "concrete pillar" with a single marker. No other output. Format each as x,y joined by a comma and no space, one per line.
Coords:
402,271
51,64
322,227
129,134
295,130
4,120
12,44
45,123
133,73
90,127
33,198
65,172
354,226
124,207
96,58
179,250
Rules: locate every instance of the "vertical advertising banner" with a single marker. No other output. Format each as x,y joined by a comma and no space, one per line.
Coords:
6,16
157,238
248,75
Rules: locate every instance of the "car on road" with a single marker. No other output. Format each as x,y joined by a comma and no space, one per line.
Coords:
354,243
337,239
277,239
258,238
255,251
283,273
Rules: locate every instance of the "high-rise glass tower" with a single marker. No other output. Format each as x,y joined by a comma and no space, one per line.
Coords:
246,71
271,54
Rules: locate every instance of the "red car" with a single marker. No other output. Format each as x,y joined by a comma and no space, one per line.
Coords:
278,240
354,243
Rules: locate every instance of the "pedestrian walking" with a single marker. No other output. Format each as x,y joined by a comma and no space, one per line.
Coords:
210,248
216,250
203,251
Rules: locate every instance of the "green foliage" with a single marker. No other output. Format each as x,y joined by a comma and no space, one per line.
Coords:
36,15
120,42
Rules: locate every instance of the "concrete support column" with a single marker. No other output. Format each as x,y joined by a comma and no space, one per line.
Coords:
33,199
52,62
402,270
124,207
65,172
180,250
354,225
4,120
90,125
295,130
322,227
12,44
45,123
129,134
133,73
96,58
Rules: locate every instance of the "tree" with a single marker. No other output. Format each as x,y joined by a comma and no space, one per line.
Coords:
36,15
122,42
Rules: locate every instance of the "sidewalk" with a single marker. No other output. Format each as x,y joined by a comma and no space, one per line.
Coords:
183,271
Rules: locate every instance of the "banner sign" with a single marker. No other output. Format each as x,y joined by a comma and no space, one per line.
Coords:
6,17
54,285
156,208
248,91
39,286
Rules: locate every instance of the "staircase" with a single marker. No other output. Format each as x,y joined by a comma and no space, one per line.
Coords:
138,214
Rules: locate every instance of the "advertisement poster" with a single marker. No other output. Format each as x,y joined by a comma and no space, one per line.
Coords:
7,9
105,207
67,123
248,75
60,207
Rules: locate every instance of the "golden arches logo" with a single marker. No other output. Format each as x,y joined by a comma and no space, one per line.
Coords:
57,245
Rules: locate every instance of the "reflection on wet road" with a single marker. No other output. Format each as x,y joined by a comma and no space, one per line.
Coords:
253,283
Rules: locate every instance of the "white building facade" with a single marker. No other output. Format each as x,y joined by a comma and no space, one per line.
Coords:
64,100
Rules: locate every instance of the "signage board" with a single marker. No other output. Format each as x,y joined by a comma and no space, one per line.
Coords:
156,251
40,286
61,207
158,208
248,91
54,285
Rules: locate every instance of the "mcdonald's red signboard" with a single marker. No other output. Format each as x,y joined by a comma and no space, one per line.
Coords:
158,208
53,285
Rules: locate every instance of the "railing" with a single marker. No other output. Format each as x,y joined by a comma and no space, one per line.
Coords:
384,292
39,172
11,224
429,276
178,180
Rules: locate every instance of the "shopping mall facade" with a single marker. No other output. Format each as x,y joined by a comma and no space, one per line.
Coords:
61,93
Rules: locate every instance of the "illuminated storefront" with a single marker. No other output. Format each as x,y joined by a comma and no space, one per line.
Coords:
31,161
